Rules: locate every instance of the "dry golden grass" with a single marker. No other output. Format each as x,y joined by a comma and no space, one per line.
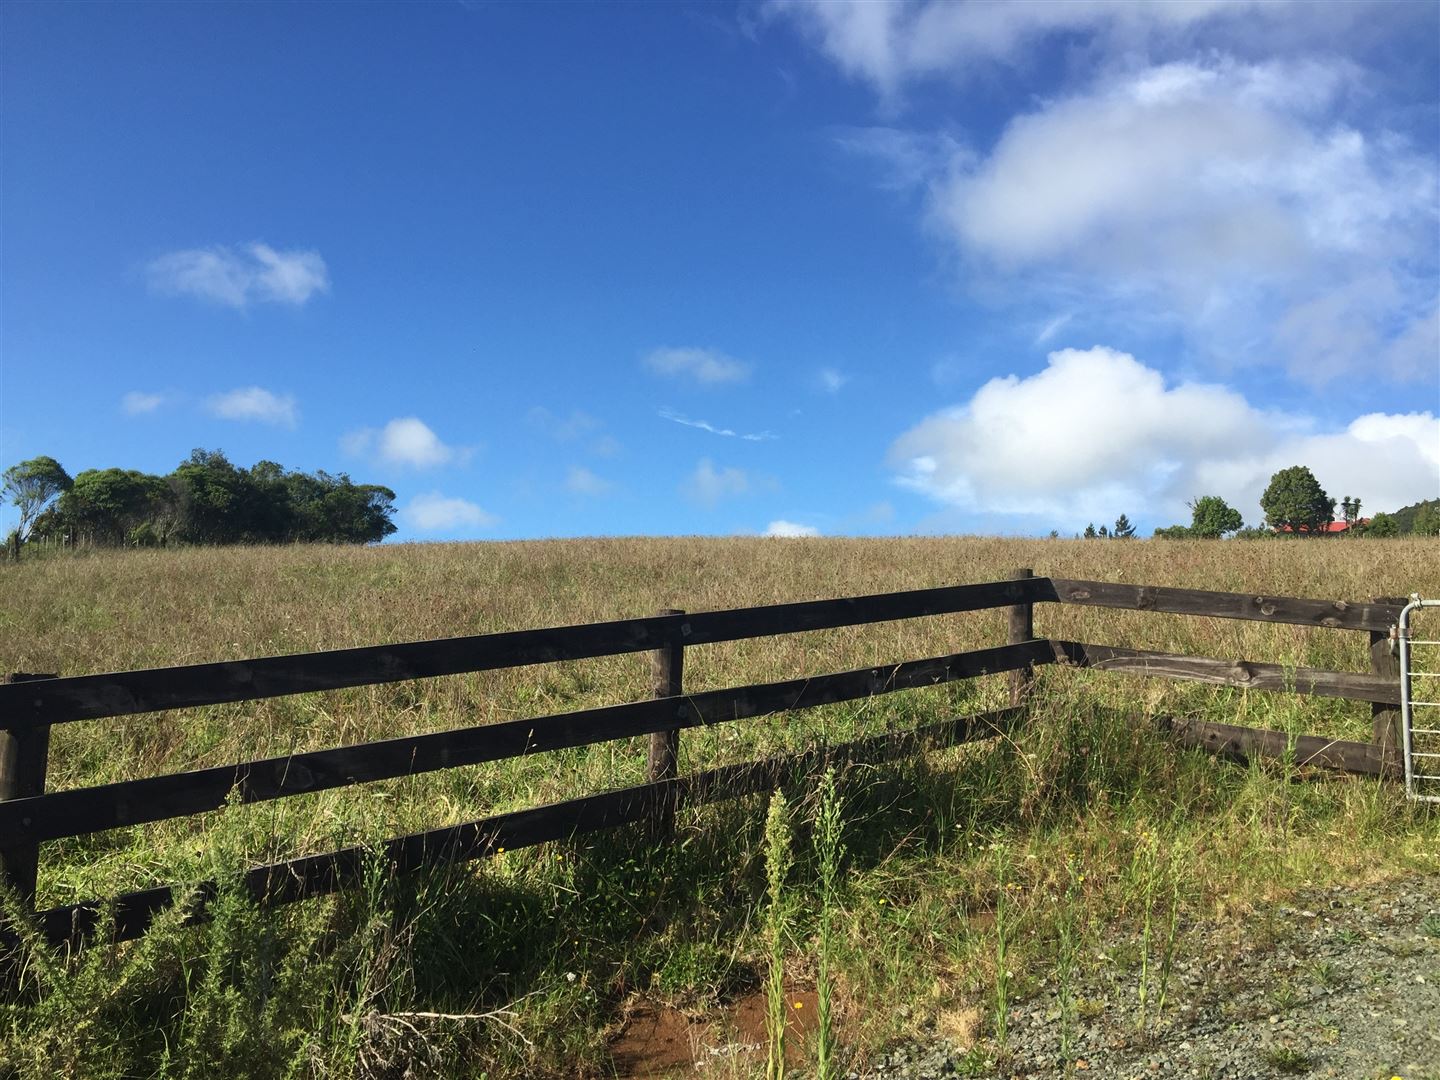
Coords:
115,611
1090,782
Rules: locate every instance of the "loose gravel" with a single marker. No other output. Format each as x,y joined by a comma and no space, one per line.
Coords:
1338,982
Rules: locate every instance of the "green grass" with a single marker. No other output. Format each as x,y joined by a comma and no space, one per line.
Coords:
522,965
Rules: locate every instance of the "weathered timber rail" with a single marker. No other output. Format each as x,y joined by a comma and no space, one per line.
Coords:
30,705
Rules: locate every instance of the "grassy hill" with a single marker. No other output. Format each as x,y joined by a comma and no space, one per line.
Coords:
527,965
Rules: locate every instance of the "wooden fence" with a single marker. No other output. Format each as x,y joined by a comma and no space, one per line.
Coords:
31,704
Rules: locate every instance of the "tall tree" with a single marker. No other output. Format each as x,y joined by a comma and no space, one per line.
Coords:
1211,517
1295,501
32,486
1123,529
1090,532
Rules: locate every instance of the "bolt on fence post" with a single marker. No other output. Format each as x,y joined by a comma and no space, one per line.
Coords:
1021,629
1385,718
24,758
668,665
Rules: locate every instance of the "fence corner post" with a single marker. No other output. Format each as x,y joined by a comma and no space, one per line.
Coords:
668,665
24,759
1385,718
1021,629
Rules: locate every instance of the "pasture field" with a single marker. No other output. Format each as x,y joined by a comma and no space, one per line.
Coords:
528,964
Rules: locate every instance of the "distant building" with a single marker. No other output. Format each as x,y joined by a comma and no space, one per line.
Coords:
1331,529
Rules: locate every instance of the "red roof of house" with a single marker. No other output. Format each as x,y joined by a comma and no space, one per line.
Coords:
1332,527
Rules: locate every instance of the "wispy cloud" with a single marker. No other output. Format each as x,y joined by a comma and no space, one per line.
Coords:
1053,327
238,277
138,402
832,381
405,441
434,512
562,428
255,404
785,528
707,485
581,481
708,367
705,425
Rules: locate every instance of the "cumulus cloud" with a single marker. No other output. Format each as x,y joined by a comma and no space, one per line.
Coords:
434,512
404,441
1098,433
707,485
138,402
581,481
708,367
705,425
1230,196
889,45
785,528
238,277
255,403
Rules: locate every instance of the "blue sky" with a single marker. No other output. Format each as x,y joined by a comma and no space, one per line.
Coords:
555,270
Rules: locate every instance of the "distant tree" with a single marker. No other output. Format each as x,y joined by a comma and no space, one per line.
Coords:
1382,526
1294,500
1427,520
1173,532
1054,534
1350,508
1090,532
1211,517
105,506
32,486
1104,533
1255,532
1123,529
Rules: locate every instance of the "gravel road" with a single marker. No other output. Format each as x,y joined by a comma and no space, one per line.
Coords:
1340,982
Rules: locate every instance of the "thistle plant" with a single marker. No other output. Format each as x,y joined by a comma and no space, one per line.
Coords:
778,860
829,849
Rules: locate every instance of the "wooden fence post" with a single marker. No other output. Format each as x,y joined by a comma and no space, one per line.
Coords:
1021,629
668,664
24,758
1385,718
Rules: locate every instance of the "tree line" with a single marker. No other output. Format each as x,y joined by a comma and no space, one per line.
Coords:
1296,505
205,500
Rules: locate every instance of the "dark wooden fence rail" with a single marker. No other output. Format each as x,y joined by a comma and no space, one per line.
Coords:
29,705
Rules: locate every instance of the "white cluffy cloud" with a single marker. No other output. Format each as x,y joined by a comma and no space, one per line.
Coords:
708,367
705,425
1097,433
138,402
1229,196
434,512
889,45
238,277
405,441
707,485
255,403
785,528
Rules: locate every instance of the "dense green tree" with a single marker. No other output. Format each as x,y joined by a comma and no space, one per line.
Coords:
1211,517
32,486
1090,533
1427,520
208,500
1383,525
1294,500
1173,532
1123,529
104,506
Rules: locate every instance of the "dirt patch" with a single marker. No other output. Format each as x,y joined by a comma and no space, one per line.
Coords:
660,1041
